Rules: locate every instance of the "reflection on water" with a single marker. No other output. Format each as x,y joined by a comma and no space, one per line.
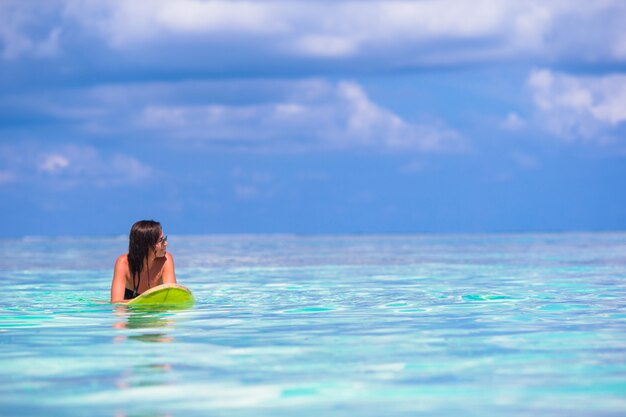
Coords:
152,337
142,376
136,319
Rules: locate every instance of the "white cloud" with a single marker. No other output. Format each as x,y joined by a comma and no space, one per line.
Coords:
579,107
203,16
20,31
128,169
325,46
316,28
16,44
313,27
53,163
434,31
70,166
369,124
388,33
316,114
127,23
513,121
531,23
619,48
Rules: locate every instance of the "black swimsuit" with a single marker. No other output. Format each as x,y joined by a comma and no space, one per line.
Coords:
128,294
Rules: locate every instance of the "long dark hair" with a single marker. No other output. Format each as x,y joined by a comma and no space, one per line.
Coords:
143,236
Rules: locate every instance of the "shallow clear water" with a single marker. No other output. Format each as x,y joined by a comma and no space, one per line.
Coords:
335,326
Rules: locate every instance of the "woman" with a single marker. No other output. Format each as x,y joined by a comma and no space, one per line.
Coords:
146,264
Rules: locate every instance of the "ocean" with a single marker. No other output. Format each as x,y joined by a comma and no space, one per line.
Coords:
402,325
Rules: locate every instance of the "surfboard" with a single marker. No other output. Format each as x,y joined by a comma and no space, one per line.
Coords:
165,295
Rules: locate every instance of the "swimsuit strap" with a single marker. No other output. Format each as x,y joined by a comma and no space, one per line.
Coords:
136,286
148,268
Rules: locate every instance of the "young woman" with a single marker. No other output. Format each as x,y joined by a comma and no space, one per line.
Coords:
146,264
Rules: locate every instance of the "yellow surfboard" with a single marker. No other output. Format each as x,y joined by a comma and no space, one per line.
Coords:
165,295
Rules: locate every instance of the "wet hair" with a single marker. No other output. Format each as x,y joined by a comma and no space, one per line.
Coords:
143,236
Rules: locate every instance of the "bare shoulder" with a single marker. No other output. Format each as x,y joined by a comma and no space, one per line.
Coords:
122,261
164,262
169,275
168,261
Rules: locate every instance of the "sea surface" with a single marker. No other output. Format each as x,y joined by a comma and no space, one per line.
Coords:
433,325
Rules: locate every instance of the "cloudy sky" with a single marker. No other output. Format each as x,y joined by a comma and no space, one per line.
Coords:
312,116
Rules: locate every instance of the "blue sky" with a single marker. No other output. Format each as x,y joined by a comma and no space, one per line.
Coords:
312,116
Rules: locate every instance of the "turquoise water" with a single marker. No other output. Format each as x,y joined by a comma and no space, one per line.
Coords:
494,325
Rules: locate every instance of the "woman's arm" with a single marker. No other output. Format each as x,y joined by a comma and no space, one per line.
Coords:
169,276
118,286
